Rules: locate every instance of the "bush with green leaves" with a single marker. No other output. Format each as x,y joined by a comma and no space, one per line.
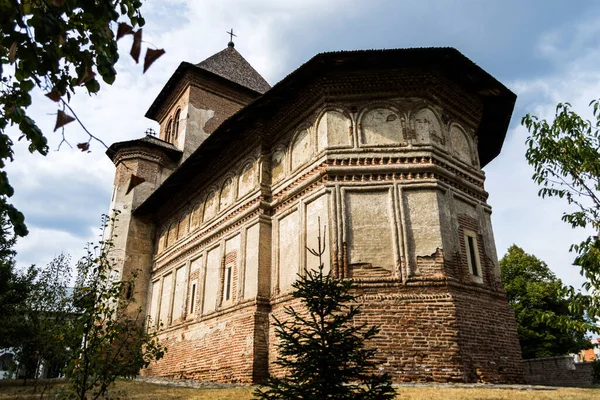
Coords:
58,47
322,350
547,323
46,326
114,341
564,153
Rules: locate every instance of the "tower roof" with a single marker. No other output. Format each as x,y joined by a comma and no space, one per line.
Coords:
227,66
230,64
148,142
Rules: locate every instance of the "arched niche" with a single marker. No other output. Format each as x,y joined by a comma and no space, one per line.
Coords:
162,239
381,126
334,130
196,217
210,206
176,124
461,144
301,150
183,226
168,129
247,179
427,127
227,196
172,235
277,165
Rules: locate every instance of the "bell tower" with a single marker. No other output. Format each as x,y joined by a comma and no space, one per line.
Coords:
194,102
199,97
141,166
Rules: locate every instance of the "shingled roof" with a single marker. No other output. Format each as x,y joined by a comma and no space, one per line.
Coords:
230,64
227,66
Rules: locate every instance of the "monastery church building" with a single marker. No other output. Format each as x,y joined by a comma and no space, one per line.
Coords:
383,147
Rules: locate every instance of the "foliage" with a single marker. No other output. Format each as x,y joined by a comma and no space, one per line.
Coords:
546,324
15,287
322,351
56,46
564,155
44,329
113,340
93,333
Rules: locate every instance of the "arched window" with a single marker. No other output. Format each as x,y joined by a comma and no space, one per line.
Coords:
176,124
168,131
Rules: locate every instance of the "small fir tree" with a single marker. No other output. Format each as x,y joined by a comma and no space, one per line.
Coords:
322,350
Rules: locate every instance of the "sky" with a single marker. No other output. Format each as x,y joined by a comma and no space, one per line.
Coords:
545,51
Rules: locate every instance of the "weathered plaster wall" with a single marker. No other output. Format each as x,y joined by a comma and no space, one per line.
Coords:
334,130
133,237
213,279
369,222
251,277
423,227
316,232
201,111
288,250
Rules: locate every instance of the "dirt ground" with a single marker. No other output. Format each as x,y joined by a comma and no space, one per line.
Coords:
13,390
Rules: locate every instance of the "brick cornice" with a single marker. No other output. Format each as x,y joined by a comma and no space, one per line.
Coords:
155,157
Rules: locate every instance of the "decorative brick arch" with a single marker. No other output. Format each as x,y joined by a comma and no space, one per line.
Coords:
247,177
302,147
279,169
168,130
176,124
211,205
184,222
339,133
424,128
172,234
196,216
227,192
462,143
381,125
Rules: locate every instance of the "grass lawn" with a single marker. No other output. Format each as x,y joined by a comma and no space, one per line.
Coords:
139,390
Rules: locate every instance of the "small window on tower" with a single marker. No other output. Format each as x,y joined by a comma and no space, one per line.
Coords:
472,254
176,125
227,291
168,130
193,299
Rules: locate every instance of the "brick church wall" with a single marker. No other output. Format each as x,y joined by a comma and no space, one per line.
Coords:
418,341
490,348
228,346
431,334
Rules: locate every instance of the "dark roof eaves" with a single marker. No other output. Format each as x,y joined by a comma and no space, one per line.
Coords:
172,152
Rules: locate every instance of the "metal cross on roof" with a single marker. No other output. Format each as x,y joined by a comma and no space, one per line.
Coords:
231,35
150,132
